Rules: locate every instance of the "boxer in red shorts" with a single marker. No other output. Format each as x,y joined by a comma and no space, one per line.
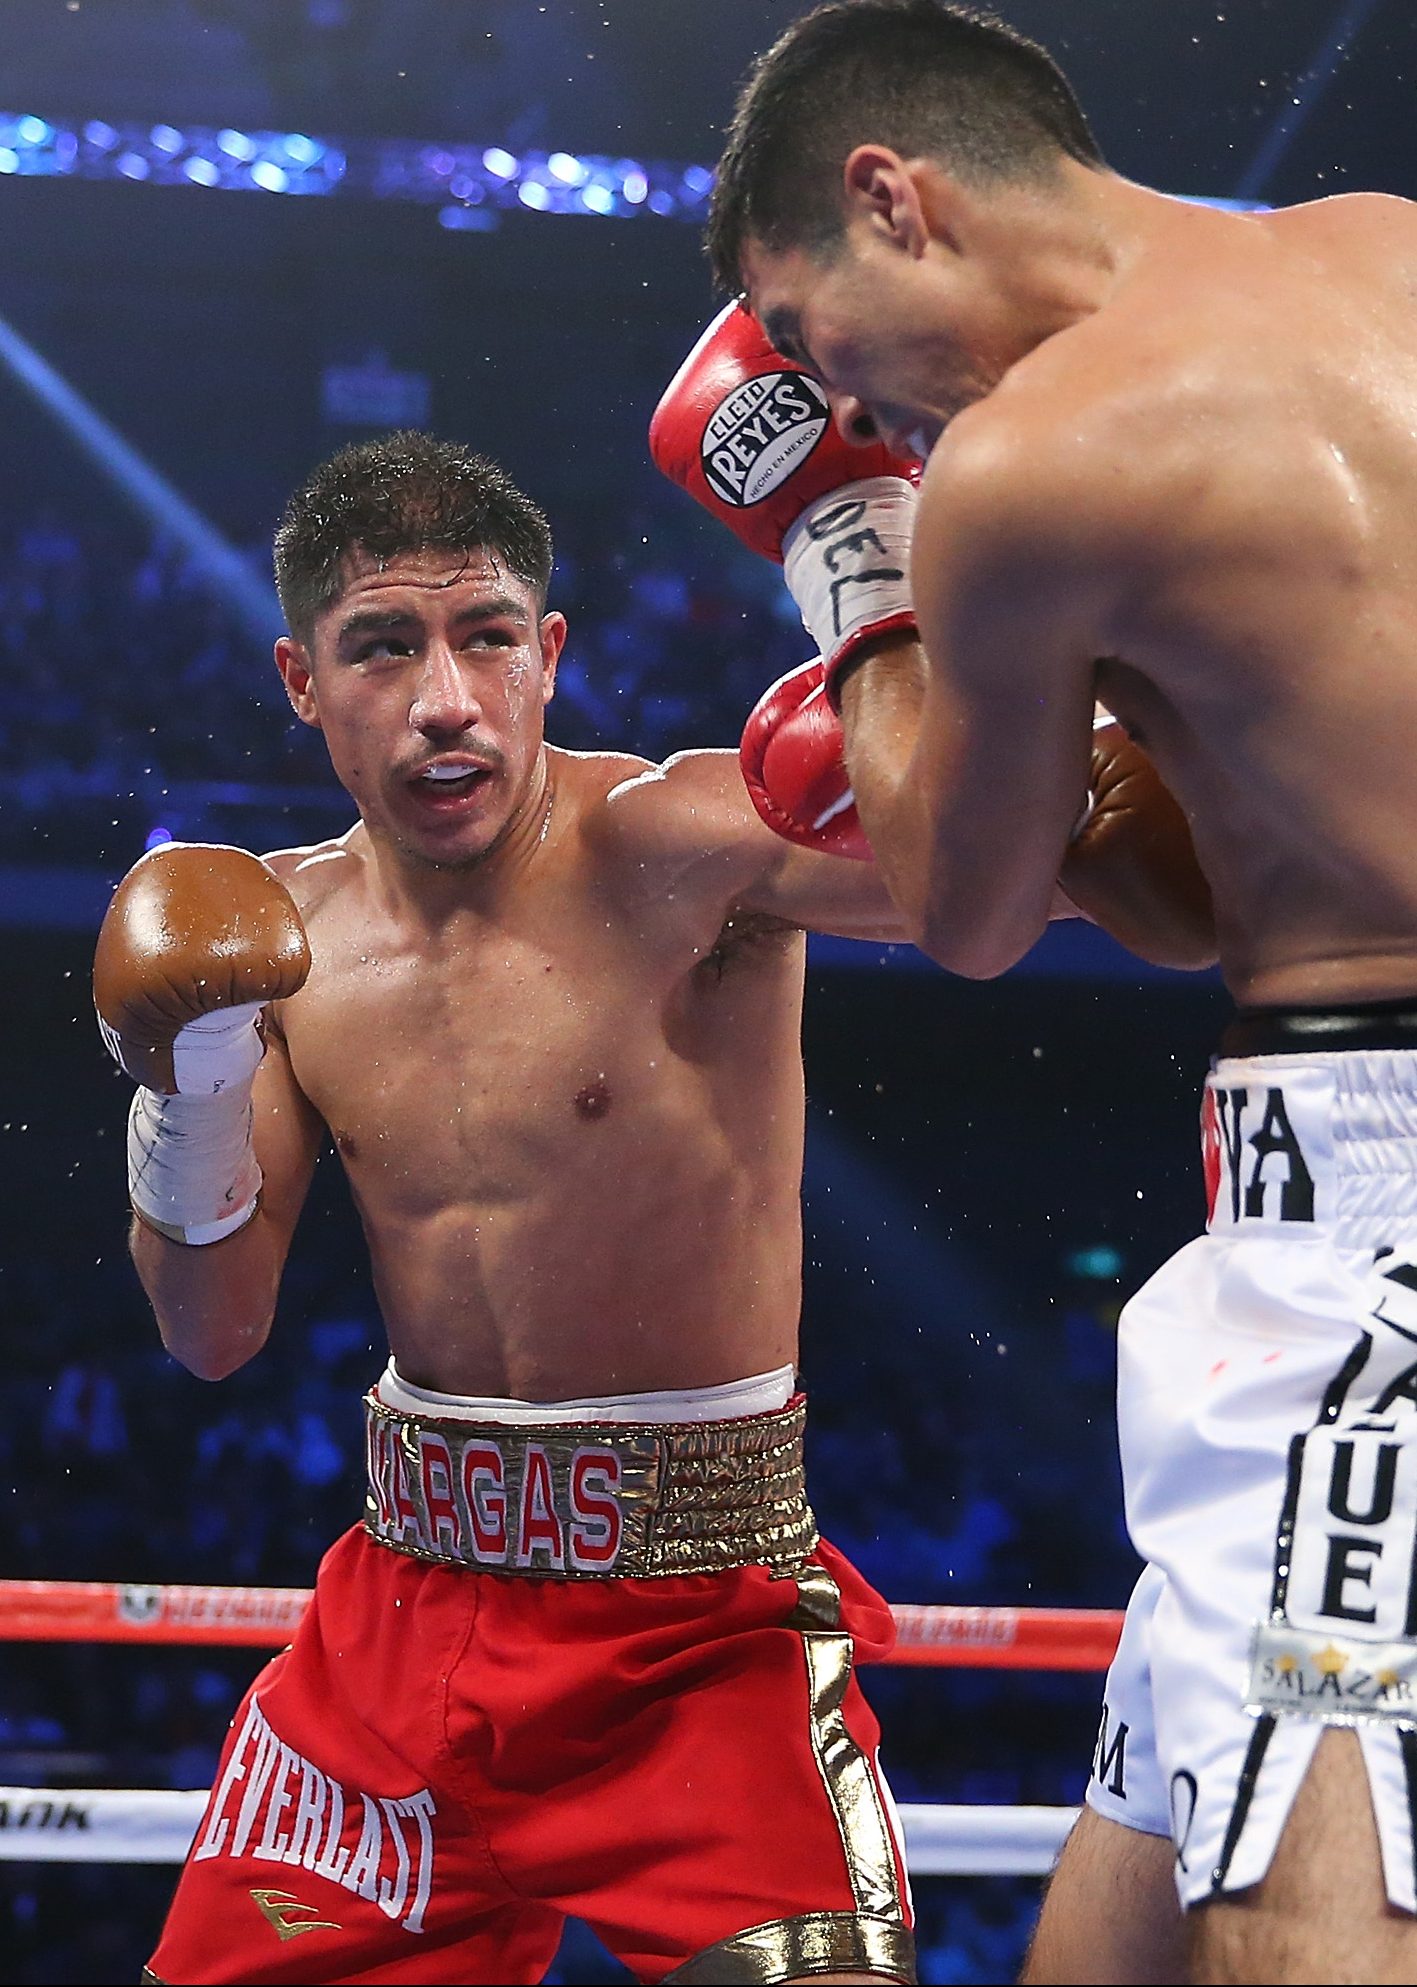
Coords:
587,1654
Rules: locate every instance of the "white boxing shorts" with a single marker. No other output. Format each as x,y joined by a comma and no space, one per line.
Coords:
1268,1417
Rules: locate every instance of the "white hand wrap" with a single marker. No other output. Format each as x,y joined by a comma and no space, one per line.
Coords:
847,565
192,1172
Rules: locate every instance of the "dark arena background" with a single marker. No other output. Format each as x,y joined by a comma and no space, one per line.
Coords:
233,235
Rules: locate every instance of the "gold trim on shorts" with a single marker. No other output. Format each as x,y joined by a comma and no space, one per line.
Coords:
796,1948
874,1937
591,1500
852,1787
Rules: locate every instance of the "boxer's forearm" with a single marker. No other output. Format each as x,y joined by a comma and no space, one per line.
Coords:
213,1305
882,697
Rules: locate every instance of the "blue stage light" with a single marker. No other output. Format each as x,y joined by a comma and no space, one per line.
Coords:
636,186
501,165
270,177
9,160
155,838
1099,1264
201,171
533,194
165,138
236,145
568,170
32,131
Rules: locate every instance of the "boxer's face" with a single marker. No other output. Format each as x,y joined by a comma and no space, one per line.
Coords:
428,676
913,316
886,370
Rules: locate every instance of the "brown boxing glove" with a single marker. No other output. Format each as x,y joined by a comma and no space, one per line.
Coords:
196,940
1131,866
192,930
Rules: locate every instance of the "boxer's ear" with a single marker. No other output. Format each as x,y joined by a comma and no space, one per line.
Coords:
552,632
293,662
885,191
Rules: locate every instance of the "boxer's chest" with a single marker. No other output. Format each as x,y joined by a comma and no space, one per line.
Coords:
468,1064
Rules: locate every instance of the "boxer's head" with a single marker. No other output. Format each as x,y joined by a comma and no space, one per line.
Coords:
890,198
413,575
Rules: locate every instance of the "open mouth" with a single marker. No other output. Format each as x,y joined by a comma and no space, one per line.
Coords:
447,786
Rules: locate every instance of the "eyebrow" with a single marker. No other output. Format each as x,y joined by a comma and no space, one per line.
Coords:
381,620
784,331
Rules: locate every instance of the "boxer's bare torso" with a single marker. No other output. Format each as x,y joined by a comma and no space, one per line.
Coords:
570,1105
1202,465
1270,365
551,1024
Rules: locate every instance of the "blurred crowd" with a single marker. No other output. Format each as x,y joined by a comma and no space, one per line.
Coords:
134,697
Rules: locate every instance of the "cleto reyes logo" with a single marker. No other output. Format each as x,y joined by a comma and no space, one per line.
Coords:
758,435
498,1507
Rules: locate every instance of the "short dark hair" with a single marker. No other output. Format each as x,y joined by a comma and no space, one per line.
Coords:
922,76
405,492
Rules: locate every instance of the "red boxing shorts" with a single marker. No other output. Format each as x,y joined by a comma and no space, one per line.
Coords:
450,1760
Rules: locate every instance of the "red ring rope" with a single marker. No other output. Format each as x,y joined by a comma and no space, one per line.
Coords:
266,1617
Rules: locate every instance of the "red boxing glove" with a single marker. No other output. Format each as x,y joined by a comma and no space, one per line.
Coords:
750,436
794,767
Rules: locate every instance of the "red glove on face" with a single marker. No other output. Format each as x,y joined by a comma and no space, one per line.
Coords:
794,768
750,436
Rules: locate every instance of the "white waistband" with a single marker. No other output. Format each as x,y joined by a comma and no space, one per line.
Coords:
1315,1142
761,1393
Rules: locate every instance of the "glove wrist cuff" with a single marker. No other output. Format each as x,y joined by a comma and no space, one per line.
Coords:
847,565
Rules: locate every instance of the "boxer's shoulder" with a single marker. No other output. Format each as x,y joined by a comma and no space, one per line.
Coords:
317,874
646,800
1100,452
682,832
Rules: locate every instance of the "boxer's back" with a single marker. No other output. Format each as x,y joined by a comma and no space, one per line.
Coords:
1270,652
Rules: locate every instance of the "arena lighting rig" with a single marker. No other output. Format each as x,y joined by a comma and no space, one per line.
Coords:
469,184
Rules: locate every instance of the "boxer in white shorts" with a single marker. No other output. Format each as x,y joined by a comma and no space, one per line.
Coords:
1268,1413
1172,467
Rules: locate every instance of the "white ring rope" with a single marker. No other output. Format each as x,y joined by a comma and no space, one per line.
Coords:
118,1825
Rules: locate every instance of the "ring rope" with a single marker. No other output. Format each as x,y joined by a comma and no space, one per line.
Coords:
266,1617
113,1825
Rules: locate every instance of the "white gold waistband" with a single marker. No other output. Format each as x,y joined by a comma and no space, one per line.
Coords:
760,1393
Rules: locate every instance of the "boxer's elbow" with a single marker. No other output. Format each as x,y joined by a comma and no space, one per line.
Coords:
1182,952
975,948
212,1351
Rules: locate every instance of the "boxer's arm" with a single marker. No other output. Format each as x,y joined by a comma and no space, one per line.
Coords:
967,752
688,828
214,1305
